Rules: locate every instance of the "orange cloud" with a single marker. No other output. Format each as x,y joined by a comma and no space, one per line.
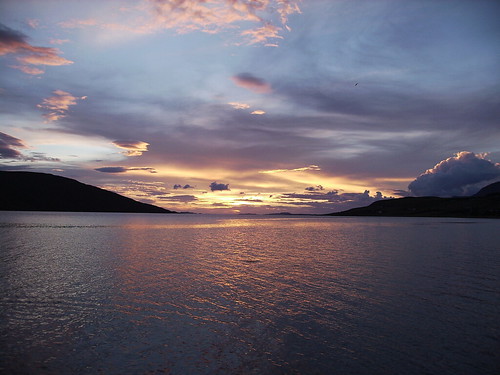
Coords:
58,104
258,112
134,148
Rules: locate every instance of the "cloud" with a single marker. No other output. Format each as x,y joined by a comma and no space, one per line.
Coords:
260,20
258,112
33,23
262,34
134,148
214,186
78,24
217,15
39,156
314,188
459,175
237,105
331,201
8,144
14,42
28,69
179,198
178,186
308,168
252,83
59,41
58,104
124,169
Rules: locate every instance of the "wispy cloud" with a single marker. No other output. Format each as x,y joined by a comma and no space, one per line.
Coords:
33,23
133,148
14,42
258,112
8,145
59,41
58,104
124,169
262,34
260,20
179,198
31,70
252,83
216,15
77,24
237,105
302,169
331,201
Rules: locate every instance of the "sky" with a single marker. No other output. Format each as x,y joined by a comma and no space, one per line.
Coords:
254,106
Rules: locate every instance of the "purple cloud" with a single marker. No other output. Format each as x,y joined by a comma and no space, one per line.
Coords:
7,142
252,83
460,175
178,186
214,186
179,199
314,188
124,169
14,42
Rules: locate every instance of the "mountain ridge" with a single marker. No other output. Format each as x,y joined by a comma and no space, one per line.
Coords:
483,204
35,191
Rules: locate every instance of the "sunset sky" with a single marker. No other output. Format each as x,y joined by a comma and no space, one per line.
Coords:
253,106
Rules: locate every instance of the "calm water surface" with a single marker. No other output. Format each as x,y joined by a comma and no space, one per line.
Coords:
193,294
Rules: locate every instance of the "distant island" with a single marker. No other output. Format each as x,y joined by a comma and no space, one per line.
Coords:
33,191
484,204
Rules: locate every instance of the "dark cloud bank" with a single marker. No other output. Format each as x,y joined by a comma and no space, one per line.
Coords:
460,175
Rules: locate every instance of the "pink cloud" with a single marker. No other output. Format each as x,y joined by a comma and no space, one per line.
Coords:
59,41
215,15
250,82
77,24
262,34
13,42
238,105
209,16
28,70
33,23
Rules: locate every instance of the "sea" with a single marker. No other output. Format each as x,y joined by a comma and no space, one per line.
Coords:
113,293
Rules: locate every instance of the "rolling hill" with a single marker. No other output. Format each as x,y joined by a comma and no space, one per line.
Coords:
32,191
485,203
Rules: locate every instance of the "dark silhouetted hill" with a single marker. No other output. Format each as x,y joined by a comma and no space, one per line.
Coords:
486,203
493,188
32,191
